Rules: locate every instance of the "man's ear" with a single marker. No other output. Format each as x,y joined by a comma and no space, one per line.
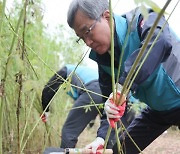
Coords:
106,15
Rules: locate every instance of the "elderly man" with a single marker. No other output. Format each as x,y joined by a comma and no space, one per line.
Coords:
158,81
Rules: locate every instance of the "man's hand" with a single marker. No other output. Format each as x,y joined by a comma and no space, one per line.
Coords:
45,116
115,112
97,144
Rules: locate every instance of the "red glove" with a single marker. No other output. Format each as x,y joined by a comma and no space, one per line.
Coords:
96,145
111,107
45,116
99,148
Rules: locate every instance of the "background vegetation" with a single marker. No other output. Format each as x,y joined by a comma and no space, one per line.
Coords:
29,57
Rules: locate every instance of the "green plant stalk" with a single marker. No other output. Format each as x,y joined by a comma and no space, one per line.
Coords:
148,39
117,138
107,138
120,131
31,66
138,58
2,84
48,130
71,84
118,74
38,121
1,122
145,57
91,105
73,72
2,16
130,74
18,112
13,42
7,63
112,48
113,79
25,51
20,79
90,97
47,127
7,121
112,66
132,139
11,47
28,116
123,47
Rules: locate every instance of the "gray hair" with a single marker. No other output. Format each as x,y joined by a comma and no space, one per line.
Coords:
91,8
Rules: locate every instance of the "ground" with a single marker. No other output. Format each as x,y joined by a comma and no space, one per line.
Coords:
167,143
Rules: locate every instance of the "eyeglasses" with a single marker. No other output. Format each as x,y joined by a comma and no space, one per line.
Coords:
87,33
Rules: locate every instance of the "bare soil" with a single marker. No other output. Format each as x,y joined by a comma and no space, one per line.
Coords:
167,143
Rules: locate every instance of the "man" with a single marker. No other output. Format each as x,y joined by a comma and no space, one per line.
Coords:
158,81
81,78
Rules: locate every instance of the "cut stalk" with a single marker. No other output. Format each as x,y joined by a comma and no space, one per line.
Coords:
112,72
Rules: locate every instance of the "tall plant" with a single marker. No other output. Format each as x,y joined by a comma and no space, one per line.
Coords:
27,51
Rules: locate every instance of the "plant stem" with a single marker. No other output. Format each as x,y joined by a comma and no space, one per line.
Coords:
143,49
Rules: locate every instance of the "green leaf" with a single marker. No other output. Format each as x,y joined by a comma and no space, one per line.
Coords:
148,4
153,5
144,11
87,108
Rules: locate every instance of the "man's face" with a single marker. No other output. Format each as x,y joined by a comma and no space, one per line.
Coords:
95,33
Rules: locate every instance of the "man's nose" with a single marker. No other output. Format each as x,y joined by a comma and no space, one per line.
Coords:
88,41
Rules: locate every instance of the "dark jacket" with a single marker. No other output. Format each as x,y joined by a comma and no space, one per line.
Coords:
79,79
158,81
